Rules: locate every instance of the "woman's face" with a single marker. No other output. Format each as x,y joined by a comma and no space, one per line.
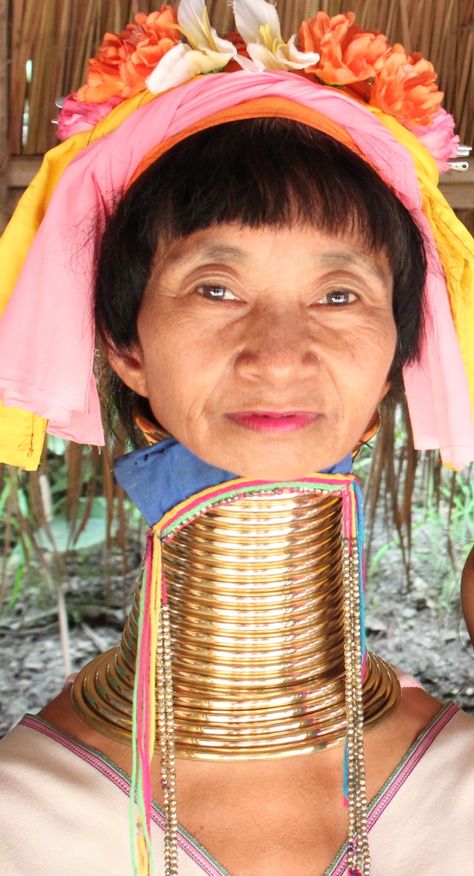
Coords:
265,352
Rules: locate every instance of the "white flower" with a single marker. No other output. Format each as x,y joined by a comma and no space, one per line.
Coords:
194,24
180,65
206,52
258,24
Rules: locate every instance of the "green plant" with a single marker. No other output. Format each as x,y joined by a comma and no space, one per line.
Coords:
70,506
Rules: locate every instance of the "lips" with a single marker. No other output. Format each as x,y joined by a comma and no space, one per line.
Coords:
273,421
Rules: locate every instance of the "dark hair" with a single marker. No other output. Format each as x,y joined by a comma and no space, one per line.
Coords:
255,172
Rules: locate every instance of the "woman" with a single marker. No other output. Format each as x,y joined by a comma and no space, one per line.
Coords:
263,272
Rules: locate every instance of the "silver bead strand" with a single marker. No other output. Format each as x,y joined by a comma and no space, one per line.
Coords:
363,838
163,736
358,845
168,751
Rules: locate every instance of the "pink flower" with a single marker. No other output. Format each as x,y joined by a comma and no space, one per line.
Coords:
76,115
439,138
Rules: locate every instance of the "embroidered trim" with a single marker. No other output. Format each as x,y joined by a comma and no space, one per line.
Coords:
200,502
188,844
396,780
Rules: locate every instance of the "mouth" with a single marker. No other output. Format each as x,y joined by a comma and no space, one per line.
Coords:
273,421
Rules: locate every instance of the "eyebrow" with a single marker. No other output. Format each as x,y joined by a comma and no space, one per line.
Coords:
212,253
216,252
350,260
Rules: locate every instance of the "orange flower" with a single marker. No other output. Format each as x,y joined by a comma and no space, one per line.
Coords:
406,88
159,24
124,61
347,53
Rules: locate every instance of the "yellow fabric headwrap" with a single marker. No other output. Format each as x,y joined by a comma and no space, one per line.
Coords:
22,432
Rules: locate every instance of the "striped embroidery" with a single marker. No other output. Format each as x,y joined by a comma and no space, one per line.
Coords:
382,800
190,846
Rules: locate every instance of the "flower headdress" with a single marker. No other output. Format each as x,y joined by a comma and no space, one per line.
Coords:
385,102
167,48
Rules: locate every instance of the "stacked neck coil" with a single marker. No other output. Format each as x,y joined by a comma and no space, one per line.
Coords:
256,607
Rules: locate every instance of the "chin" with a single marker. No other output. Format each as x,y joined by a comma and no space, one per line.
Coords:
287,469
277,473
265,460
285,457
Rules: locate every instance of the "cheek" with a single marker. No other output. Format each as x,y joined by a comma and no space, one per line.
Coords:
361,366
375,347
165,341
183,369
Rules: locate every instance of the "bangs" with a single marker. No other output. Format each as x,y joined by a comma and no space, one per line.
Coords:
272,172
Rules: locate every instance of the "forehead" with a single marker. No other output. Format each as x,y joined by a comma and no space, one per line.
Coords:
245,247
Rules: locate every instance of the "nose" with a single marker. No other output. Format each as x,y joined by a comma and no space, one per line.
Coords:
277,346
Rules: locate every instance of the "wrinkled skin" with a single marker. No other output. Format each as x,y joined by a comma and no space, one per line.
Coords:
274,321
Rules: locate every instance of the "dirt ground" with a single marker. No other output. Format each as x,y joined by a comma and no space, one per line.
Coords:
407,628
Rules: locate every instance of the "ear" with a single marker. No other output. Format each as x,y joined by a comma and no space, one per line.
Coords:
128,365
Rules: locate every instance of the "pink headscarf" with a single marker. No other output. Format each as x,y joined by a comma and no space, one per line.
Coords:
47,333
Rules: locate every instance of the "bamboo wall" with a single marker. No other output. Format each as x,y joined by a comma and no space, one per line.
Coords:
59,36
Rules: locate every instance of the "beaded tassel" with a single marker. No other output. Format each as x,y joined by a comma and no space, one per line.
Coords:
140,792
153,684
358,856
167,744
144,710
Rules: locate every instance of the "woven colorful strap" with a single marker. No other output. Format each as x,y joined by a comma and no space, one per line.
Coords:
47,337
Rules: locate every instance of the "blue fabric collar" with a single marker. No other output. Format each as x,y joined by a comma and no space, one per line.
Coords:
160,477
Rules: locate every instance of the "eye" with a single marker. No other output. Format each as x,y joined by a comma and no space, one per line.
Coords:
216,293
338,298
